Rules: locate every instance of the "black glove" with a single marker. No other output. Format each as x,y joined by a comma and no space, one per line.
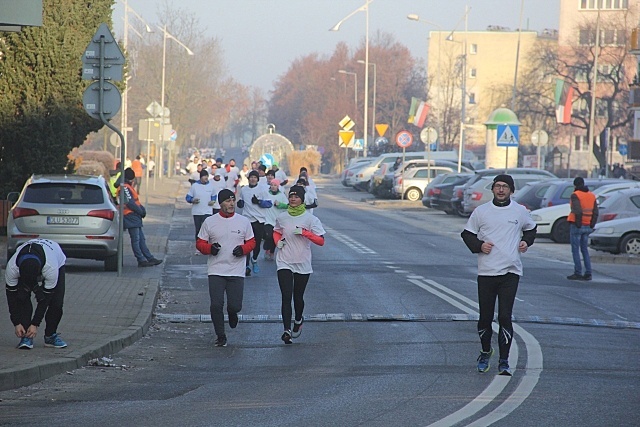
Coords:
255,200
240,203
237,251
215,248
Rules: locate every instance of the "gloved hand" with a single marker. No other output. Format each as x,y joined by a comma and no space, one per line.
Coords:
211,203
255,200
281,244
298,230
215,248
237,251
196,201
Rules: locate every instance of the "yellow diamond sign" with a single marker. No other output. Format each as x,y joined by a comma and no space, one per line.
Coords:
346,123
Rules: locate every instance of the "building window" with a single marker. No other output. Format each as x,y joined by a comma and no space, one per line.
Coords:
473,50
473,73
472,98
580,143
604,4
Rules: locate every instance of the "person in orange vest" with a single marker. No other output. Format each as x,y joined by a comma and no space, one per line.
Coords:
134,212
137,167
582,219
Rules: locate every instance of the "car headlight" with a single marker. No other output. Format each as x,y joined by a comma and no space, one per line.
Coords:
536,218
605,230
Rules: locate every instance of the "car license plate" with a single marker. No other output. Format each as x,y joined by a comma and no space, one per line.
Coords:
63,220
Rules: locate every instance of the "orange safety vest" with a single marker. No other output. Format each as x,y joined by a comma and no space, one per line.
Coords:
136,165
587,203
134,196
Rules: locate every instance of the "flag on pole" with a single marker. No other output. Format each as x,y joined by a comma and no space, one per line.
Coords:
421,114
415,102
564,99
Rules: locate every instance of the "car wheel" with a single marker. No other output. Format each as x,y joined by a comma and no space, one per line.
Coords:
630,244
413,194
560,231
460,212
111,263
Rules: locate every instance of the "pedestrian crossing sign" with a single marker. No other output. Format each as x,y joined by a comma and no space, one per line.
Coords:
508,135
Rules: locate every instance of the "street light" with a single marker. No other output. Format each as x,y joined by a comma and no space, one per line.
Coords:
355,86
363,8
125,93
166,35
463,107
375,84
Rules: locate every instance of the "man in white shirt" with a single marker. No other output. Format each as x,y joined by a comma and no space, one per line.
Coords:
202,196
228,238
498,231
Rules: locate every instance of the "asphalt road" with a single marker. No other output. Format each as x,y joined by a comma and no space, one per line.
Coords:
410,363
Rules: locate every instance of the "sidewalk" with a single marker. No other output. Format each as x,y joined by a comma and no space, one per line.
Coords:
103,313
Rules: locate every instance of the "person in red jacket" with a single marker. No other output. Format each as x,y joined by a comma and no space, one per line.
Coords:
582,219
227,238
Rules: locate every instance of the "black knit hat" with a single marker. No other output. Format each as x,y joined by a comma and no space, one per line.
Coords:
253,173
30,268
578,182
225,195
204,172
129,174
507,179
298,190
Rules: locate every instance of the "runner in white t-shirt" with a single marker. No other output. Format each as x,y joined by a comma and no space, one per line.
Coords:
280,202
498,231
293,234
228,238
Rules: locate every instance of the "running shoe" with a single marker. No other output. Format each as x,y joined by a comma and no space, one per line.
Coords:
483,360
575,276
297,328
503,367
254,264
233,320
286,336
54,341
247,272
221,341
26,343
587,277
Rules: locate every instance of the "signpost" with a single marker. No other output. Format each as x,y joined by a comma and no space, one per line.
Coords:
404,139
539,138
428,136
508,136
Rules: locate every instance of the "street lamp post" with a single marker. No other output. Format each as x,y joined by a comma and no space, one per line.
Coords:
355,87
165,35
363,8
463,107
375,85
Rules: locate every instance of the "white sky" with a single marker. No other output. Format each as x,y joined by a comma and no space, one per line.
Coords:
262,37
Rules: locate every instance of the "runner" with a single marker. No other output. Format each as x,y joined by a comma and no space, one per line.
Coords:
254,200
279,200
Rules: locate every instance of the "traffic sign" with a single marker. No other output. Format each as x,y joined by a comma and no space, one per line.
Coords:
539,138
346,123
114,140
404,139
154,109
358,144
111,100
623,149
428,135
173,135
508,135
345,137
102,45
382,129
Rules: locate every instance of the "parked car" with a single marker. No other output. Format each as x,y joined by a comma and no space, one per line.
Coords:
480,192
376,185
560,192
428,190
617,236
621,204
443,192
411,184
552,221
351,173
530,196
353,164
75,211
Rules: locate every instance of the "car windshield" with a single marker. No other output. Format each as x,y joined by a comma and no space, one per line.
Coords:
64,193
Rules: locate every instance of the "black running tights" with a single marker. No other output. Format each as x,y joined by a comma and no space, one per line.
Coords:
503,288
292,285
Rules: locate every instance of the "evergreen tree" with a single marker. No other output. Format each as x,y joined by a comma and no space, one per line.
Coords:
41,112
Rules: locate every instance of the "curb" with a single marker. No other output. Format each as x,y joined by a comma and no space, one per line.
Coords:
616,259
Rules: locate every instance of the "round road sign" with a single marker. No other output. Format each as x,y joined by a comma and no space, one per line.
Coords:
404,139
539,138
428,135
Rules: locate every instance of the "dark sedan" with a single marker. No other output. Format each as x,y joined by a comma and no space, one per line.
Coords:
442,193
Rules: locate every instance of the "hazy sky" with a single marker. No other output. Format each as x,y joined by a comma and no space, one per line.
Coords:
261,38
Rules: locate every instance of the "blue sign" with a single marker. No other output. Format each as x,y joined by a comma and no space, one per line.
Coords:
433,146
267,160
508,135
623,149
358,145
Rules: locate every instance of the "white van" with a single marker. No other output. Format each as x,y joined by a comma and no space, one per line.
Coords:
363,177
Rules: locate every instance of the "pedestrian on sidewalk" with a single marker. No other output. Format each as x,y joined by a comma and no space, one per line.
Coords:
254,200
280,202
498,232
202,196
134,212
38,267
227,238
582,219
295,230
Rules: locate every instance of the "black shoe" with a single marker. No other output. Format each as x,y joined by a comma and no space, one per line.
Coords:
575,276
145,264
286,336
233,320
297,328
155,261
586,277
221,341
247,272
